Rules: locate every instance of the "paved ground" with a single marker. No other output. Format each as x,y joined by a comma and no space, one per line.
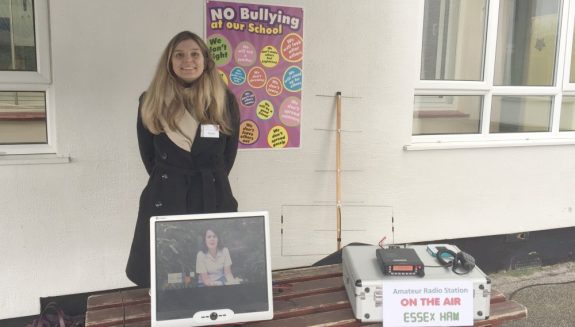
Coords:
547,292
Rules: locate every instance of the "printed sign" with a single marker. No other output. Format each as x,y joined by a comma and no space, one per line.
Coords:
427,303
258,50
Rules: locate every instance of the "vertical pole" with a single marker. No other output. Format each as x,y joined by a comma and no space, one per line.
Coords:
338,167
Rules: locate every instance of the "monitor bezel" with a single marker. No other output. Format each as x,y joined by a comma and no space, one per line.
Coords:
237,317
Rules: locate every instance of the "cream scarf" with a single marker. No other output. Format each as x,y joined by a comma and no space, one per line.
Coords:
184,137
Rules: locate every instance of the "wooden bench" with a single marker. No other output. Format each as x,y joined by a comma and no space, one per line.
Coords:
310,296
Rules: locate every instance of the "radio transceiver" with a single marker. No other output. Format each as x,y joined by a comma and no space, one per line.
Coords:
399,262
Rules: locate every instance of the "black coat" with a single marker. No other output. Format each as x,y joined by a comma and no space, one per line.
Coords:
181,182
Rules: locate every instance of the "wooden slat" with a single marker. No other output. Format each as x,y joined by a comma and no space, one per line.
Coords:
497,296
103,301
340,318
292,310
137,296
310,304
105,317
137,312
310,287
147,323
307,273
505,311
118,316
110,300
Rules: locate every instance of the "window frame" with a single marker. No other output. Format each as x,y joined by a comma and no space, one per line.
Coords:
38,81
487,89
43,75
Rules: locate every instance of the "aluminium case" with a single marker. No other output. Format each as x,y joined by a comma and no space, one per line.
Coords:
363,279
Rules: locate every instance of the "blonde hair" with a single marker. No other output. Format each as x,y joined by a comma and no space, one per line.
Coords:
167,94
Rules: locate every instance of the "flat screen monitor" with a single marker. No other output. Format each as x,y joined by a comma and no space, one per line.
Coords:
209,269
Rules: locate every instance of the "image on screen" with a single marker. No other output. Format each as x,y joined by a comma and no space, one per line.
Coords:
210,264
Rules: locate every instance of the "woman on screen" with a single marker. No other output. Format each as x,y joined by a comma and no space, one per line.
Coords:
187,128
213,262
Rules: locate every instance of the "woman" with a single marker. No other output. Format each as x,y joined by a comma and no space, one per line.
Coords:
213,262
188,124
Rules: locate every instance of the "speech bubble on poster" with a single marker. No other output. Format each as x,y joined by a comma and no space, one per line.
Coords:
290,112
249,132
278,137
223,76
293,79
248,98
257,77
245,54
292,48
269,56
265,110
274,87
238,76
220,49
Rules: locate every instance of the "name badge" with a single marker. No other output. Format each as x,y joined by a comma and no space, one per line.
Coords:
209,130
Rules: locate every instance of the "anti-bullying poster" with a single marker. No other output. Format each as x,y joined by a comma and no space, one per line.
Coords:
258,50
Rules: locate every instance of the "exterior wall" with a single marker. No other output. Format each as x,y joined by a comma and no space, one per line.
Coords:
68,227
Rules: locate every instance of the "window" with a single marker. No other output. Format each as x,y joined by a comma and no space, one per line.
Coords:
25,77
527,42
516,114
442,114
567,122
495,70
22,117
451,53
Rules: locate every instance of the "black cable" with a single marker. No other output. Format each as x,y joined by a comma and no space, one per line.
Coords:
534,285
436,266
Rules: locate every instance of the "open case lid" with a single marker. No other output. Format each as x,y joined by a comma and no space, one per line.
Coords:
196,281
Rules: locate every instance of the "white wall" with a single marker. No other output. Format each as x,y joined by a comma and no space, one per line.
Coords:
67,228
